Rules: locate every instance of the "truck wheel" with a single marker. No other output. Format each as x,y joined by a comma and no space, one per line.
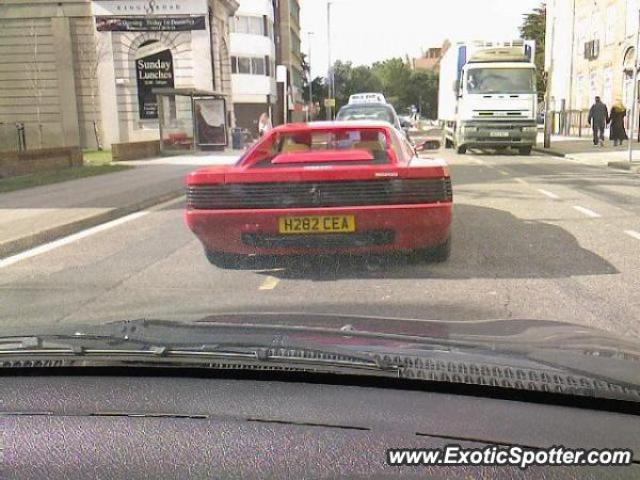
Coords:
461,150
525,150
223,260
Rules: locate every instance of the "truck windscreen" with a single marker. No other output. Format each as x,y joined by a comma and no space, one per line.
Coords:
500,80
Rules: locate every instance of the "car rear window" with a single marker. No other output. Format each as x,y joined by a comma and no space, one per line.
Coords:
340,147
379,112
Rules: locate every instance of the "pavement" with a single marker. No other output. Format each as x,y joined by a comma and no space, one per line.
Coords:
533,238
39,215
582,149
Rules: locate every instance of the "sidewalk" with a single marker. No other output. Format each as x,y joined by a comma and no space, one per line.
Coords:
34,216
583,150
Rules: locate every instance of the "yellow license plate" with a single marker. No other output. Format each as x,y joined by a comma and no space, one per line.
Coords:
317,224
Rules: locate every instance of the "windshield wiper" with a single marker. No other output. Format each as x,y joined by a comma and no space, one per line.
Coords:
78,346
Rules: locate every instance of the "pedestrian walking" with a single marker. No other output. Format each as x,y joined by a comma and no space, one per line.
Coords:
264,124
618,133
598,119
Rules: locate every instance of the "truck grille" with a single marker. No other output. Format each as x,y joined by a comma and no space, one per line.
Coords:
318,194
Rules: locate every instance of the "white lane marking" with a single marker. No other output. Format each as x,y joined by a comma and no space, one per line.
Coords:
523,182
633,233
478,161
502,172
548,194
587,212
269,283
47,247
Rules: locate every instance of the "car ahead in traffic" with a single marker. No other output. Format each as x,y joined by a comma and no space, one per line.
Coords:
372,107
323,188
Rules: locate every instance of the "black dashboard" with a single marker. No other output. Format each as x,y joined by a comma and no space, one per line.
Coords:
112,427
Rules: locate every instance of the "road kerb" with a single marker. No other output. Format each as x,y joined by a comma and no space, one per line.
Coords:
13,247
547,151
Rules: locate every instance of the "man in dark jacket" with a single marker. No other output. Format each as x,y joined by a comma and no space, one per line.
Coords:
598,119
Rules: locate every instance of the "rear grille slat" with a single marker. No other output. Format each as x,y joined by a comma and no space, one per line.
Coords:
319,194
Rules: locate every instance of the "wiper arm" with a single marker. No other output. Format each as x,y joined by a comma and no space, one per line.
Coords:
75,346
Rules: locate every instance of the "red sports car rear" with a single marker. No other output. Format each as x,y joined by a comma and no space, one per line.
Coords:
323,188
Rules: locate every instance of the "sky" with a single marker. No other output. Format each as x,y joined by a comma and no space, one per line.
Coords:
365,31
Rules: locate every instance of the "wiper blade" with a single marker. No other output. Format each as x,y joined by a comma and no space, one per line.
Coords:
76,346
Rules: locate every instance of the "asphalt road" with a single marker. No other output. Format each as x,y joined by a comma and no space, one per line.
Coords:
534,238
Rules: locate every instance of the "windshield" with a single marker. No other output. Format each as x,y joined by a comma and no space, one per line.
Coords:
500,80
380,113
200,162
344,146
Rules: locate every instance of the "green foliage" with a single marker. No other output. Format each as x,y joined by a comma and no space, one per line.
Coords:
395,76
401,86
534,28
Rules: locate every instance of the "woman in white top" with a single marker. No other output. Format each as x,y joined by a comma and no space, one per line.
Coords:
264,124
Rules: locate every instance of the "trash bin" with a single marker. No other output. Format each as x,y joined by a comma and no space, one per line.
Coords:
237,139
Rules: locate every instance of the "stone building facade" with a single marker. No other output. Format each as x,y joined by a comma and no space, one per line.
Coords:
590,45
69,68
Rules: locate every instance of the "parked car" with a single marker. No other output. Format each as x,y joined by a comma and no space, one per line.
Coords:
325,187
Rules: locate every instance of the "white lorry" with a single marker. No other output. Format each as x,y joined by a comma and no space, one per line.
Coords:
488,96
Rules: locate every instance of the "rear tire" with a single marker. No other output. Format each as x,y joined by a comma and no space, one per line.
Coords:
223,260
525,150
437,254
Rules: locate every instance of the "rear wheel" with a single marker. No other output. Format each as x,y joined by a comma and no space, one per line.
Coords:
525,150
223,260
437,254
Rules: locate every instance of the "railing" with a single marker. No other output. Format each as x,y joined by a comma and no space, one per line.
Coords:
13,137
571,123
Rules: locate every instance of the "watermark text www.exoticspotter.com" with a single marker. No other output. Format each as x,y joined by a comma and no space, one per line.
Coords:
521,457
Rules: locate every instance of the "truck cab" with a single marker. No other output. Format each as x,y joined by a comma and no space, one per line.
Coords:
493,97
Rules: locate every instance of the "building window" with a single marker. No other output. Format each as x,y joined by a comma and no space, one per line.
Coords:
295,11
250,25
592,49
257,66
252,65
244,65
295,42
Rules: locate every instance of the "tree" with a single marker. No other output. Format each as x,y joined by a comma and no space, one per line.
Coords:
534,27
422,91
394,75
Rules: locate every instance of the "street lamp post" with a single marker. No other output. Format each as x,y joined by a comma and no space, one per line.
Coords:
310,107
547,98
634,102
331,77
